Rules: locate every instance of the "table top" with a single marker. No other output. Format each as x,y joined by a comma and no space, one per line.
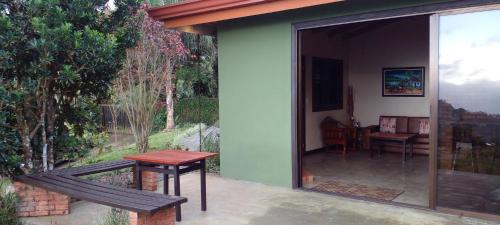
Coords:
170,157
389,136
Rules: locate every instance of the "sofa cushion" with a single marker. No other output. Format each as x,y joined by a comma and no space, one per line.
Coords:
388,125
424,126
401,124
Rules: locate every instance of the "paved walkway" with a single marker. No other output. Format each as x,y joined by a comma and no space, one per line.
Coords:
232,202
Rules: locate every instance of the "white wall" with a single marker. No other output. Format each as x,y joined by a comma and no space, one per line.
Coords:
398,44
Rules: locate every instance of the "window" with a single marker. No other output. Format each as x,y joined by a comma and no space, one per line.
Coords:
327,84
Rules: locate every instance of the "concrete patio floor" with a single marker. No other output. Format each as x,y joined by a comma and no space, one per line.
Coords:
232,202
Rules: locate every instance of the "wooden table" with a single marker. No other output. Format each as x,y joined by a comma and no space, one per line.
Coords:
173,162
404,139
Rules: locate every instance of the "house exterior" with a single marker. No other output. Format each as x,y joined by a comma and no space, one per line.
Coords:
258,66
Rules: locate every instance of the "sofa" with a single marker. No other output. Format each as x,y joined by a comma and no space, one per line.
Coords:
401,124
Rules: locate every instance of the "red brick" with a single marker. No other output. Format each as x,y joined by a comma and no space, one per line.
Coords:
42,203
59,212
149,181
45,207
61,206
25,209
34,201
162,217
39,213
23,214
59,197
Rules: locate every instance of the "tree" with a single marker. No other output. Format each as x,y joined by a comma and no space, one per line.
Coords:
147,71
56,58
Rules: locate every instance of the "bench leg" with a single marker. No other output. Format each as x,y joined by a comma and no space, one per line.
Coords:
177,190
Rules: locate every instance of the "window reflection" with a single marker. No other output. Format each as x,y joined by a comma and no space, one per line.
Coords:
469,112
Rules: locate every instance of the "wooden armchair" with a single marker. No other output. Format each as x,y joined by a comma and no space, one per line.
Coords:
333,134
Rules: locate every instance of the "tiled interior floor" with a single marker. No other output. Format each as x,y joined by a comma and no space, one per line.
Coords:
386,171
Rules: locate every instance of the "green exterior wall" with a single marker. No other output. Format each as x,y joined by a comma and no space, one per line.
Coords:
255,90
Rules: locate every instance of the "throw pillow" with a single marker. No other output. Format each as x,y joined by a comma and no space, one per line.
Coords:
388,125
424,126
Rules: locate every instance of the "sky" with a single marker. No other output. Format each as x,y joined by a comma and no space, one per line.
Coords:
111,4
469,61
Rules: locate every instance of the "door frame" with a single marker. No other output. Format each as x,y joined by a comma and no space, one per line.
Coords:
434,10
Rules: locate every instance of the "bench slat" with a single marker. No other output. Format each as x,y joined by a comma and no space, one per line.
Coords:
95,168
128,190
37,181
125,196
86,167
92,167
98,193
65,181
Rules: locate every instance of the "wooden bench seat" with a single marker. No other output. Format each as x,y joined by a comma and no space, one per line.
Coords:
117,197
95,168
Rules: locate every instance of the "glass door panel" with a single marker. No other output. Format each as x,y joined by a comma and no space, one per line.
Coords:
469,112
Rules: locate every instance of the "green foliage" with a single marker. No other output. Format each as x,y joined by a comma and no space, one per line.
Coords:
190,111
8,204
61,55
116,217
197,110
211,143
164,2
157,141
9,138
159,119
198,79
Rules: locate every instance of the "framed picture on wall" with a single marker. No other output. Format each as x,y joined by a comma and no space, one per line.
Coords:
403,82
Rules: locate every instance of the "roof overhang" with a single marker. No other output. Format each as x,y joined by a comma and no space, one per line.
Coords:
189,15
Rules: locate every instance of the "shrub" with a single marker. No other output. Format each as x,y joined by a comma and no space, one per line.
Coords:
197,110
8,204
186,112
160,119
211,143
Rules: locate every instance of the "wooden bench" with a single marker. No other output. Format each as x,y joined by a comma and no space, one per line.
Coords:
117,197
94,168
49,193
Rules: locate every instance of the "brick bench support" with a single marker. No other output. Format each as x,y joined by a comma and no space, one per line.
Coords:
34,201
162,217
48,194
149,180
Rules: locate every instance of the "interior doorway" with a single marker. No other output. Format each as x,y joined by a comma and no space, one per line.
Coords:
359,79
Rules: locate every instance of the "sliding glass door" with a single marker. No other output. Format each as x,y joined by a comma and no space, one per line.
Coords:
468,153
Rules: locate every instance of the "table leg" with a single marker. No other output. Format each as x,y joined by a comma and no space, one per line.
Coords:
138,176
380,147
411,149
203,183
404,151
165,181
177,190
371,148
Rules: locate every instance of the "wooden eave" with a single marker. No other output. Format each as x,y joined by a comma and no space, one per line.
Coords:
197,12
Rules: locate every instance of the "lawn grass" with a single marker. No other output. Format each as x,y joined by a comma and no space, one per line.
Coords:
158,141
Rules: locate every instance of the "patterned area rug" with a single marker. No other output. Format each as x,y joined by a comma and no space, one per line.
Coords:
359,190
